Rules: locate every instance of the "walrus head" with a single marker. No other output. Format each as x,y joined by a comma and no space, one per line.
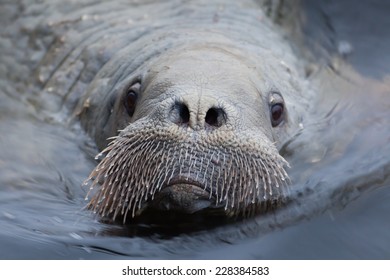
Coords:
199,130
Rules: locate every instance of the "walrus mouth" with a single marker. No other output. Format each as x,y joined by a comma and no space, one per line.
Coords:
167,169
182,197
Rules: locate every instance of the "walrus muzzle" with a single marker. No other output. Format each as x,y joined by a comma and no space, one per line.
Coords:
174,169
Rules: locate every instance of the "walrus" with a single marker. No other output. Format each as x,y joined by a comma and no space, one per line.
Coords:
189,102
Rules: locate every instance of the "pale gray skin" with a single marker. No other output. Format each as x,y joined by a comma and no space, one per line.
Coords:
206,75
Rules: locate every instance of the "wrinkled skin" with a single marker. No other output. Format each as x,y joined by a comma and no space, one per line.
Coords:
199,98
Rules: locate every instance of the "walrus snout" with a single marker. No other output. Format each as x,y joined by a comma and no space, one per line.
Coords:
185,198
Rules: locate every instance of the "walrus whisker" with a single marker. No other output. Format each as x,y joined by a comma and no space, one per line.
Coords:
134,171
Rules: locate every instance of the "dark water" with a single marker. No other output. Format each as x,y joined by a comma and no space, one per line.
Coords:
340,167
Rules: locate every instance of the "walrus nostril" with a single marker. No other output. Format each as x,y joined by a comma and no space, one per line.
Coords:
180,114
215,117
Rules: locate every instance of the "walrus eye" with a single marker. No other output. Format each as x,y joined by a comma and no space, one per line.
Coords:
277,110
131,99
277,114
